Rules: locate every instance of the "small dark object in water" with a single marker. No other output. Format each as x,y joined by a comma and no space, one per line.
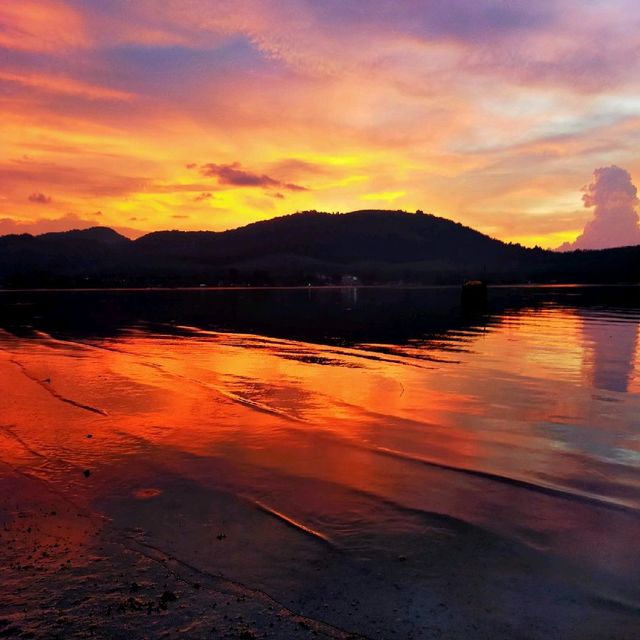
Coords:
47,380
86,473
134,587
89,435
221,536
474,293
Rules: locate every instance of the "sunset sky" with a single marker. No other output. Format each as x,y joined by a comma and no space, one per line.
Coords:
210,114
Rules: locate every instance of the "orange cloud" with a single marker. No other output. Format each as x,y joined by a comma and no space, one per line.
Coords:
58,84
41,26
488,115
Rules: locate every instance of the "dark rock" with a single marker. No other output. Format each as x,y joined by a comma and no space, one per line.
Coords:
168,596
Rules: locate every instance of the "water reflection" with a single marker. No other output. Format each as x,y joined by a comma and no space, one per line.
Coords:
473,447
609,351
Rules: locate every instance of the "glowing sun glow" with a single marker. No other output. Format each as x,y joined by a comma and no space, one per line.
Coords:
191,114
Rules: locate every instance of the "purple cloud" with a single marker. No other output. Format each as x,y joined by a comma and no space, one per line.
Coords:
39,198
614,198
460,19
234,175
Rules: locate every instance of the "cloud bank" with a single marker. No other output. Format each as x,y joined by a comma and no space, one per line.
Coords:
615,222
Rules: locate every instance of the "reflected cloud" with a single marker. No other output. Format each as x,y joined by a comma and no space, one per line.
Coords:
610,351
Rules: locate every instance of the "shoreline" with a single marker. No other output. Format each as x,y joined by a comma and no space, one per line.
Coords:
572,285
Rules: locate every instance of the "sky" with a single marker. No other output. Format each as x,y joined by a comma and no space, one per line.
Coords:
211,114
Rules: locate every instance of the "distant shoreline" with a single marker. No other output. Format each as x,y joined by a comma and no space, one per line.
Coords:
369,248
541,285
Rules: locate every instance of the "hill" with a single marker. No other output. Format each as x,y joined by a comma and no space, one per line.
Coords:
310,247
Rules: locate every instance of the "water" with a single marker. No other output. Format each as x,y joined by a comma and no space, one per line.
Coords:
465,473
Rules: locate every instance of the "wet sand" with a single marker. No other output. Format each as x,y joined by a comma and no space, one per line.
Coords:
207,485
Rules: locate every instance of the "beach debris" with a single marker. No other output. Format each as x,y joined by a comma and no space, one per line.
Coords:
167,596
131,604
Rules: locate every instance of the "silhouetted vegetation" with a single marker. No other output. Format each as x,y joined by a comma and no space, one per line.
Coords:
368,247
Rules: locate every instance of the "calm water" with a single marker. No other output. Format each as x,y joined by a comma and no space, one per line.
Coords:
470,470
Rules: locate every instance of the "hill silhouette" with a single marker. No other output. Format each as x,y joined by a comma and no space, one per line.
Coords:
369,246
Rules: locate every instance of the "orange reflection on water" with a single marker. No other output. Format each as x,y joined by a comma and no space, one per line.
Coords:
204,391
542,399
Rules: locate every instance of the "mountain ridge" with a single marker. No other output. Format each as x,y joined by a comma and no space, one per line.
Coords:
371,246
